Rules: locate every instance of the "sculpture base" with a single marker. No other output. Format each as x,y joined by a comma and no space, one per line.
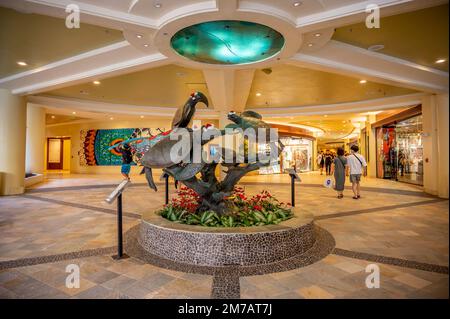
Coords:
219,246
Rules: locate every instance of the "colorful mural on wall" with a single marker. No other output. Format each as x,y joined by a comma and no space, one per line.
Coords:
95,144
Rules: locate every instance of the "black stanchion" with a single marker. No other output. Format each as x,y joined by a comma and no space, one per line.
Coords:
294,178
120,254
293,190
167,188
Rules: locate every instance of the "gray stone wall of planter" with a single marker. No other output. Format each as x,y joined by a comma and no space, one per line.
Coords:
211,246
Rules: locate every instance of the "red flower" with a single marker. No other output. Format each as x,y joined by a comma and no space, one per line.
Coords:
257,207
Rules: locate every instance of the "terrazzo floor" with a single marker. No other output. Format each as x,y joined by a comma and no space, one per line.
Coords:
66,221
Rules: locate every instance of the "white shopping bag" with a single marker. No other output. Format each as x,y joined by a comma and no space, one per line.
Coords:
328,183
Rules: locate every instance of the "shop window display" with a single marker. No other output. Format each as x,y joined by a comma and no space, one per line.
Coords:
400,151
296,154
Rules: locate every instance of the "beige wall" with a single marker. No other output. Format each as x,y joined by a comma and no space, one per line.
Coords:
443,143
67,154
435,144
13,117
35,159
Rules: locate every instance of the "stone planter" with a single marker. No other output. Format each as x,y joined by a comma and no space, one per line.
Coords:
211,246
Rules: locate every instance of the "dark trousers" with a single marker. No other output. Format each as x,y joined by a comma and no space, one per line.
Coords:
328,168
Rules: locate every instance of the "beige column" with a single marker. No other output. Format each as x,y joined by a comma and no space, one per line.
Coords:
314,155
443,141
13,115
35,144
435,111
371,158
430,145
346,146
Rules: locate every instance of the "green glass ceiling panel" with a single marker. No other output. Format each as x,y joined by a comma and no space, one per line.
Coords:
227,42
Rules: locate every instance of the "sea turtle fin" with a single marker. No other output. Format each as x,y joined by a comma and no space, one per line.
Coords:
252,114
149,177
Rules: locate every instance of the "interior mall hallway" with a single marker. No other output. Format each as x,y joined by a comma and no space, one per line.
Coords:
65,220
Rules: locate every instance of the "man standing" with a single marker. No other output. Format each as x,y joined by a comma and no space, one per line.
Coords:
356,166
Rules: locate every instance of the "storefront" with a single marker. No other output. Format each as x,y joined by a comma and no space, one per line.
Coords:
297,153
400,148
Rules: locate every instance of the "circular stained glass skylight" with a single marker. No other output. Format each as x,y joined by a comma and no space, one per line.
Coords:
227,42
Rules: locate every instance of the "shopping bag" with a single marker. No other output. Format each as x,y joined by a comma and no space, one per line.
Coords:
328,183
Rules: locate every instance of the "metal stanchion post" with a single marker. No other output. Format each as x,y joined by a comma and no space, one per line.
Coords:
117,194
293,190
167,188
294,177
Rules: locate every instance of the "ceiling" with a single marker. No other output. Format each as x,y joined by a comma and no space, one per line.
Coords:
166,86
336,126
289,85
39,40
60,118
419,36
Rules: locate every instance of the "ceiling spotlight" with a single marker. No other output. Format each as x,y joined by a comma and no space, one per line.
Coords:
258,94
318,35
96,82
21,63
142,116
297,3
139,36
53,116
158,5
310,45
441,61
111,118
363,81
74,113
146,45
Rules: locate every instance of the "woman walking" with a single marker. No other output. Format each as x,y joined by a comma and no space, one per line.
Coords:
338,169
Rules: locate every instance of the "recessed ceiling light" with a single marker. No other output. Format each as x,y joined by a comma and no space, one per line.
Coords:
146,45
96,82
363,81
318,35
297,3
258,94
53,116
310,44
21,63
74,113
158,5
139,36
325,115
441,61
111,118
142,116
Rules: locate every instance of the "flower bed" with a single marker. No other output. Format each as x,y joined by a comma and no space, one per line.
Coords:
261,209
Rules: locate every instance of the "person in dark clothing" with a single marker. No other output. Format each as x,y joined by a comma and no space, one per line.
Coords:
328,162
127,159
338,170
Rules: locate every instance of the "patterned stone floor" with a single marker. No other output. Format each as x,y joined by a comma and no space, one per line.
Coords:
66,221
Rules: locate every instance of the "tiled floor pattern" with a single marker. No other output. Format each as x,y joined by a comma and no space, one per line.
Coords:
393,220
